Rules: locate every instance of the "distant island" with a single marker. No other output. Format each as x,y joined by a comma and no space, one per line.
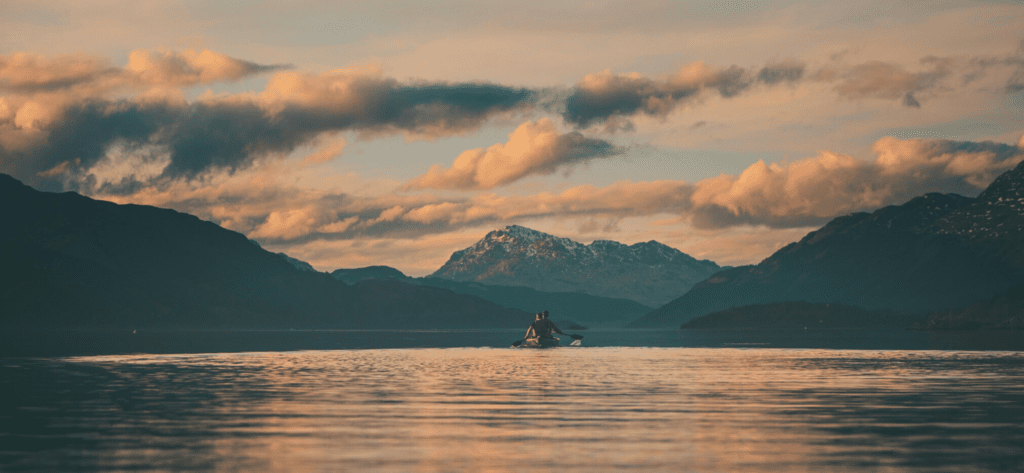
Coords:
801,315
1005,311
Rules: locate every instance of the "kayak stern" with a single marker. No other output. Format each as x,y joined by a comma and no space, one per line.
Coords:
541,342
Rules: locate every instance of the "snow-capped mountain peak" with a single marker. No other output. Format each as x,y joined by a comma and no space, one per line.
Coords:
650,273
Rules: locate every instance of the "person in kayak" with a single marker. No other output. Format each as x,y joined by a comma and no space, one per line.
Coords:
543,326
532,331
539,335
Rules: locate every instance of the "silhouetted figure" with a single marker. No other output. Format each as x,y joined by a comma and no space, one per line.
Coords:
532,331
543,326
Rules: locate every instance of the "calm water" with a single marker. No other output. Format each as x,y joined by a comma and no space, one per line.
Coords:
498,409
49,343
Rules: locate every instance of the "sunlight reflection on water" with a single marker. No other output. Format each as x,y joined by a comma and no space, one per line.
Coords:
486,409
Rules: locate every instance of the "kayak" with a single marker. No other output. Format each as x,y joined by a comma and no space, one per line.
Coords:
540,342
545,342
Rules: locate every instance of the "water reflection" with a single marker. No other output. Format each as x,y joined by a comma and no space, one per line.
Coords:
50,343
471,409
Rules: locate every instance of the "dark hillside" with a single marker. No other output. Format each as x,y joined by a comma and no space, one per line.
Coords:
588,310
917,258
67,260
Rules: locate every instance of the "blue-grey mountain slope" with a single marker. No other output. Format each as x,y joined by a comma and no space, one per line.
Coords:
584,309
994,221
937,252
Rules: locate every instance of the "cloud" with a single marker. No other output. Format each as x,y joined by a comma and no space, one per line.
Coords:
363,99
790,71
534,148
81,134
326,153
64,115
1016,82
607,96
286,225
959,166
67,129
801,194
190,67
611,99
604,95
814,190
891,81
910,101
221,133
26,73
936,75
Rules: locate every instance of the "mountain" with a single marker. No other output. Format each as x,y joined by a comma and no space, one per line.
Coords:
71,261
937,252
299,264
585,309
995,220
649,273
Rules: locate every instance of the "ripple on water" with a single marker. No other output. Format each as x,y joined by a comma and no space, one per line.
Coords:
481,409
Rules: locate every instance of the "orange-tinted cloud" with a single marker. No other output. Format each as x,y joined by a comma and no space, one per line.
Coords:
607,96
891,81
22,73
534,148
611,99
190,67
813,190
68,109
326,153
800,194
365,100
26,73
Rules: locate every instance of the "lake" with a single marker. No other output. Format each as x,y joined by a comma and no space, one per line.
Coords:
741,404
100,342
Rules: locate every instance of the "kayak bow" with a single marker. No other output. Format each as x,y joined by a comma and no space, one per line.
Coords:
546,342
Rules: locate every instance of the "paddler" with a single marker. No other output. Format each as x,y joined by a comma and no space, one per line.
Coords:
532,331
543,327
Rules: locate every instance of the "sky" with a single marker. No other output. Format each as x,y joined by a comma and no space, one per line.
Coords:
349,134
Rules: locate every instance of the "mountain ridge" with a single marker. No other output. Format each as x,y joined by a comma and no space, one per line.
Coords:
70,261
585,309
649,273
925,255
